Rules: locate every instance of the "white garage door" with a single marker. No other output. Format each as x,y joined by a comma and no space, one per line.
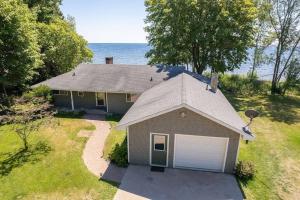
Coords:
200,152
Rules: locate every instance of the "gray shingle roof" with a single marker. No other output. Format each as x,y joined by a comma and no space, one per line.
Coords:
184,91
112,78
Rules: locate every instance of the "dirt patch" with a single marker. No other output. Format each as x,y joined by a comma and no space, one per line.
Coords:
84,133
288,187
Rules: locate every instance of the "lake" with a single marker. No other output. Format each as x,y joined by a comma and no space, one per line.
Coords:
135,54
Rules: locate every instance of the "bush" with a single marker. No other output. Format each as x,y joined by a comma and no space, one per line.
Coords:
243,85
119,155
40,91
245,170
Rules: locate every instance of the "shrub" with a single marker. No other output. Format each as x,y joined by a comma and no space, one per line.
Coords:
40,91
119,155
245,170
243,85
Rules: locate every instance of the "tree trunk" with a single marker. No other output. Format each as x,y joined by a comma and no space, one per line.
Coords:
274,88
5,95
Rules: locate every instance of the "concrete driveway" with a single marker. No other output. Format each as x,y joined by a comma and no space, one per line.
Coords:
140,183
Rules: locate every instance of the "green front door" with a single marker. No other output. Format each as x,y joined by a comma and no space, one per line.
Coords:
159,149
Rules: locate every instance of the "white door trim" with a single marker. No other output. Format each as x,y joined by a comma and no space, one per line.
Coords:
150,150
103,99
225,154
128,157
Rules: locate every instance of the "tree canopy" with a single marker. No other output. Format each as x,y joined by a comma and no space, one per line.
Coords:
37,42
19,49
207,33
62,48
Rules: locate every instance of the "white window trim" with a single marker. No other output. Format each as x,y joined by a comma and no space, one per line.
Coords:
61,94
80,95
150,150
131,94
127,98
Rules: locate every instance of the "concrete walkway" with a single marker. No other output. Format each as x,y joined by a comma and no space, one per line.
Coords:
93,151
139,183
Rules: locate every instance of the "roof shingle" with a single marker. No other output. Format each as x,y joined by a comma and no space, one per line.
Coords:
184,91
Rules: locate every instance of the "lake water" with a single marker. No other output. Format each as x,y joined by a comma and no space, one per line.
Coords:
135,54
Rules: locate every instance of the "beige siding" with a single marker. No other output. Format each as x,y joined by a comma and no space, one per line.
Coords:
171,123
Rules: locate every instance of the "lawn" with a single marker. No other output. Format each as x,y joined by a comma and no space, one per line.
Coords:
276,150
52,168
114,137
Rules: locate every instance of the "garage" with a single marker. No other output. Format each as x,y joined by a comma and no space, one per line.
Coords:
200,152
182,124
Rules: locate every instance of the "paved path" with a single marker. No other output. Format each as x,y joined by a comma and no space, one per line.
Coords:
93,151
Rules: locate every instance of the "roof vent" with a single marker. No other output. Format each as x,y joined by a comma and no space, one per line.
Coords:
214,82
109,60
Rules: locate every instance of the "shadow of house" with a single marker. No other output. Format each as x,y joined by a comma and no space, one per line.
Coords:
174,71
19,158
117,167
113,174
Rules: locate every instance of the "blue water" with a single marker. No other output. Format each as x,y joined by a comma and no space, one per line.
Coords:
135,54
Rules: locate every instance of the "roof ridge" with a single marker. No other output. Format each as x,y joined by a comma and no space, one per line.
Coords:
183,90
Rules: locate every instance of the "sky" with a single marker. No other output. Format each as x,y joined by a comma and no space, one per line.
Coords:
108,21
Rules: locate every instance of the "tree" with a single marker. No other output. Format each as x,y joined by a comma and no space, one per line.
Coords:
46,10
19,49
285,19
62,48
212,34
292,75
27,121
262,37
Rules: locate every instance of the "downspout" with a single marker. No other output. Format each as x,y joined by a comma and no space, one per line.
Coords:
106,102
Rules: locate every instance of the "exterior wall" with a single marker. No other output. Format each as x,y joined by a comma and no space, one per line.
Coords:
117,103
171,123
88,101
63,100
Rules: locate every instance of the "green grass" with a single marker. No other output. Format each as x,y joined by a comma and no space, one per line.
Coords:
276,149
52,168
114,137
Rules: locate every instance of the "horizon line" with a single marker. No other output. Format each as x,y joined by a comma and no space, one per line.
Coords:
117,42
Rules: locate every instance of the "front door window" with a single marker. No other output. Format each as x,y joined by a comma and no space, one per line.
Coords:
159,149
100,99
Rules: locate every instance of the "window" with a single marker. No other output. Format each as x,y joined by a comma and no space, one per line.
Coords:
63,92
100,99
81,94
131,97
60,92
159,142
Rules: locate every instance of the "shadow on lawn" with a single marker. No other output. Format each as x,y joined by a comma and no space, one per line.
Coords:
22,156
277,108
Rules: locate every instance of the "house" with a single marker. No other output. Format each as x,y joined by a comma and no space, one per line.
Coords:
173,118
108,87
181,123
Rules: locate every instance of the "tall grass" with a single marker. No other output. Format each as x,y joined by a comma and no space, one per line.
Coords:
243,84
